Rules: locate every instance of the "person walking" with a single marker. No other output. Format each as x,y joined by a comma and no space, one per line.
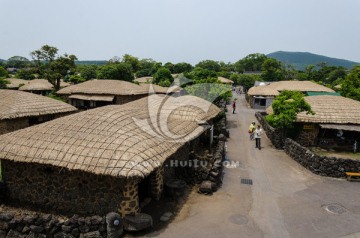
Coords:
233,106
251,130
258,132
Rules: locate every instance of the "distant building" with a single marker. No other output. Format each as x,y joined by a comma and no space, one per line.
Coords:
21,109
15,83
261,97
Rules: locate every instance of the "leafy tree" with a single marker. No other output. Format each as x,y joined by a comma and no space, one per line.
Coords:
3,83
52,66
245,80
163,77
147,67
133,61
225,74
3,72
252,62
227,67
169,66
76,79
199,74
209,65
18,62
25,74
88,71
350,87
119,71
182,68
272,70
286,106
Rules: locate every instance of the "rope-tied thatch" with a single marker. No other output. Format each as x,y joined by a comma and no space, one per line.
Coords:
17,104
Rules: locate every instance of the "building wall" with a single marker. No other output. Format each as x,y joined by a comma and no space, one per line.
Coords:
128,98
7,126
62,190
308,135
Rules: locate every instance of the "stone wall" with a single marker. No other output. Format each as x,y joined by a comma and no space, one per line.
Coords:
61,190
308,137
275,135
29,224
157,183
130,201
7,126
322,165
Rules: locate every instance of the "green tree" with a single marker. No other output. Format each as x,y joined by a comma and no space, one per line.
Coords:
18,62
350,86
285,107
75,79
133,61
88,71
52,66
199,74
163,77
3,83
25,74
252,62
245,80
169,66
119,71
272,70
182,68
3,72
209,65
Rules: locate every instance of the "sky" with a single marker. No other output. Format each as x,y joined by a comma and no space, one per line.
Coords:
180,30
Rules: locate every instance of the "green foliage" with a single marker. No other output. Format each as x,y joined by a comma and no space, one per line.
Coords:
163,77
51,66
170,66
285,108
272,70
75,79
251,62
199,74
119,71
133,61
88,71
209,65
147,67
182,68
25,74
3,72
3,83
225,74
245,80
350,87
18,62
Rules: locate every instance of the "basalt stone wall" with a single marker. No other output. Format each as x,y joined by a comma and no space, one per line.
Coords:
61,190
275,135
16,225
322,165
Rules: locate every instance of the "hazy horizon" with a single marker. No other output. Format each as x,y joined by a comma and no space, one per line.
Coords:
181,31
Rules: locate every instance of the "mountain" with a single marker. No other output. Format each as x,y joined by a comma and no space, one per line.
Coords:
87,62
302,59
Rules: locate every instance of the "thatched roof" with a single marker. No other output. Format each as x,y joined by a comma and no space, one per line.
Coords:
37,85
225,80
273,89
331,109
159,89
103,86
144,79
16,104
64,84
116,140
14,82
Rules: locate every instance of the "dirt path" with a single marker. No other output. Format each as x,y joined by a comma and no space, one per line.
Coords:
285,199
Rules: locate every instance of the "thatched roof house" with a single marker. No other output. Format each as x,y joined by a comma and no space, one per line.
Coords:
261,97
21,109
330,112
95,93
127,142
225,80
15,83
38,86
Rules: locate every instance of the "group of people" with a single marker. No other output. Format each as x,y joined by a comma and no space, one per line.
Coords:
255,133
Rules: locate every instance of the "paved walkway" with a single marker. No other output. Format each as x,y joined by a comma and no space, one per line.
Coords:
285,199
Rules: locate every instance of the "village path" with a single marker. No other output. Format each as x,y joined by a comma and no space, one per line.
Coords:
285,199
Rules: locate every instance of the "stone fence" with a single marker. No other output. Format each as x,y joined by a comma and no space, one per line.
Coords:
322,165
275,135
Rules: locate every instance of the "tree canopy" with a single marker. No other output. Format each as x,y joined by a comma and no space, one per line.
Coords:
117,70
350,87
163,77
272,70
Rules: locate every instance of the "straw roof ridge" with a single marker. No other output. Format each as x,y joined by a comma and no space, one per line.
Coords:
37,85
107,140
105,86
15,82
17,104
225,80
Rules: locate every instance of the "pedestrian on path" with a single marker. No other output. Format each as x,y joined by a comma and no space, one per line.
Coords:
252,128
233,106
258,132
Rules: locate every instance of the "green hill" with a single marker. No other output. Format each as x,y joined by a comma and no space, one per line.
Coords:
302,59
